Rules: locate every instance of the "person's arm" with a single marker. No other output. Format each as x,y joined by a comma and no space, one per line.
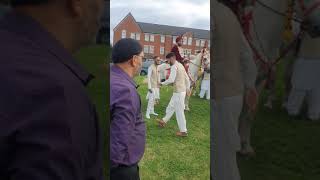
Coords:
123,117
249,73
172,76
187,80
159,78
248,67
149,78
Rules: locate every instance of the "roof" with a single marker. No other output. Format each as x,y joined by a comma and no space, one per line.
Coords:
173,30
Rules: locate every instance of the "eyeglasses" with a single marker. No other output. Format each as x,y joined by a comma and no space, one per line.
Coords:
140,56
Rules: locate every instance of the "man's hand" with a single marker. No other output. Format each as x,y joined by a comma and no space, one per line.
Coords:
251,98
188,92
185,60
150,91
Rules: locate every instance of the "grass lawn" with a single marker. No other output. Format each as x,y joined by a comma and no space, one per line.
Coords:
93,60
287,148
171,157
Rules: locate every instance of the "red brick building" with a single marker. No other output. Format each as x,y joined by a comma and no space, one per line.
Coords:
158,39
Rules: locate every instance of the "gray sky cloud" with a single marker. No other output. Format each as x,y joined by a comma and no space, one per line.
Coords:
185,13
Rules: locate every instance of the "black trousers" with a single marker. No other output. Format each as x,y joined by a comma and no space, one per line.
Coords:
125,173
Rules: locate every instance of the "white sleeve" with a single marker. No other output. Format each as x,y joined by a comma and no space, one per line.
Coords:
158,72
149,77
172,77
187,81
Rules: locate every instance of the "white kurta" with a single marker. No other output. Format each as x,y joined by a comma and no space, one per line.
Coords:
176,104
155,92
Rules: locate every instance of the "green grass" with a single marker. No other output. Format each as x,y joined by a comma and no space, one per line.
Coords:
287,148
171,157
93,60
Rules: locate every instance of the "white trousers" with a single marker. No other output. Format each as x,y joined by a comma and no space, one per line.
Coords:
296,99
176,105
305,86
205,89
155,93
225,138
151,100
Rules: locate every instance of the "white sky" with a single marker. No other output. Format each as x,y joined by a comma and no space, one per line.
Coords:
185,13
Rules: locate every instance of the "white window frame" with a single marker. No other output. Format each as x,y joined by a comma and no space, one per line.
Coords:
202,42
174,39
162,39
123,34
197,42
146,49
185,40
133,36
147,37
138,36
151,38
161,50
190,41
151,49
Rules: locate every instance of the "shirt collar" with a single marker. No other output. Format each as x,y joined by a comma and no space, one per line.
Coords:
27,27
115,69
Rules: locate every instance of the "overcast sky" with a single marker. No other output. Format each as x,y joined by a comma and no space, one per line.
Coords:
185,13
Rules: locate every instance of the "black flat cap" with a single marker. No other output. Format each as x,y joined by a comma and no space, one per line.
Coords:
124,50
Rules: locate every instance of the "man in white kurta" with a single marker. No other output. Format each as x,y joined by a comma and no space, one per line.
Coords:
153,86
181,84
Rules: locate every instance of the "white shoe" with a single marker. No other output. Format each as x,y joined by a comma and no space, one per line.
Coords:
154,114
147,116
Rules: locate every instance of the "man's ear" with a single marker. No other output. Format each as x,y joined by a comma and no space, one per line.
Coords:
75,7
132,62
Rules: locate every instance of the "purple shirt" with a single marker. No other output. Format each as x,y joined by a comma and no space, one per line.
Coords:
127,127
48,126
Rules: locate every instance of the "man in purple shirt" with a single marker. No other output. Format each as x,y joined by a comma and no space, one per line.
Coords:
48,126
127,127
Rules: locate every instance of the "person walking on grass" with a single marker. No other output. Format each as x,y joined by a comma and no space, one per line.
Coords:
181,85
153,86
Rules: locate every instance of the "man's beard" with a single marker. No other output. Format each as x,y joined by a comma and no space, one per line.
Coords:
138,71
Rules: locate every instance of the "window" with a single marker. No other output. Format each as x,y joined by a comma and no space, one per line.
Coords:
161,50
138,36
174,39
187,52
190,41
198,42
151,37
151,49
124,34
202,43
146,37
133,36
162,38
185,40
146,49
